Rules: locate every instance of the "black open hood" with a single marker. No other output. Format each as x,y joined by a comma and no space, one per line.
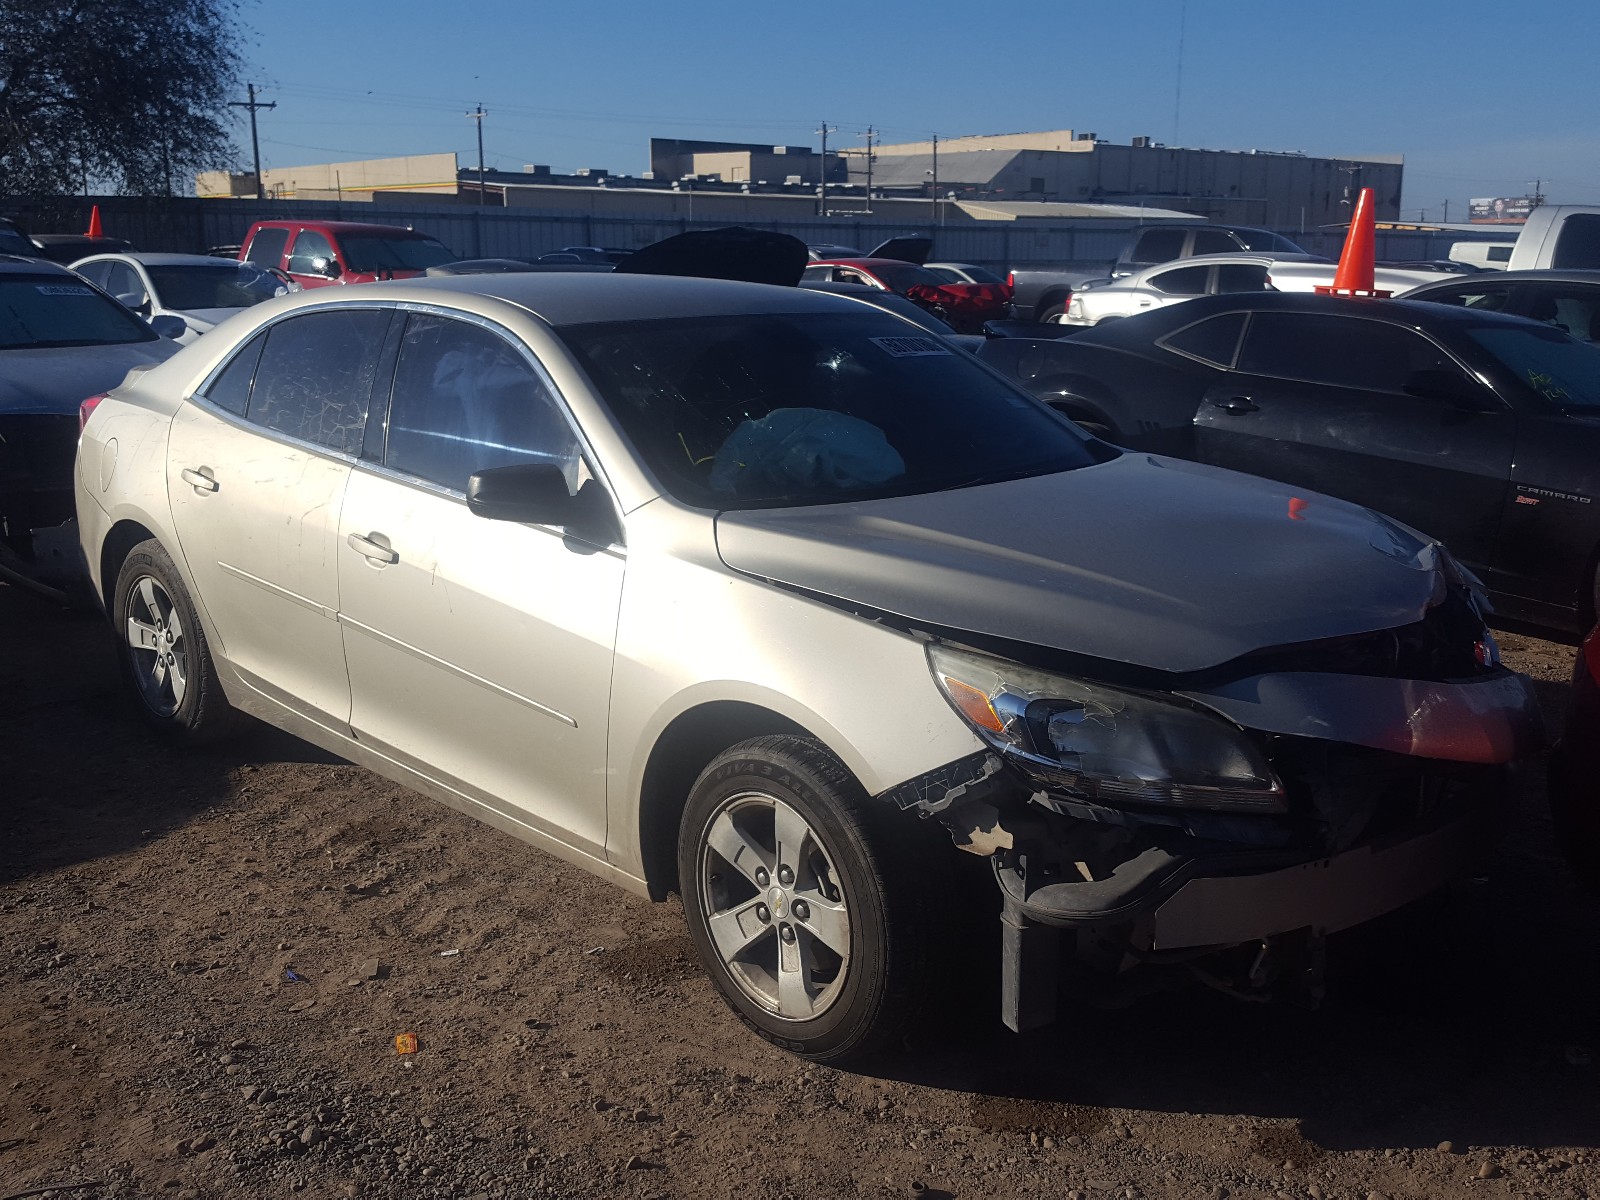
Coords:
911,249
750,255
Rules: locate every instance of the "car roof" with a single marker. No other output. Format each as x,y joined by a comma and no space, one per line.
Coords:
960,266
153,259
1139,330
1240,257
343,227
11,264
1547,275
581,298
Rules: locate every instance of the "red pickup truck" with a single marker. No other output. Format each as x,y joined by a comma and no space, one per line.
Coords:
318,253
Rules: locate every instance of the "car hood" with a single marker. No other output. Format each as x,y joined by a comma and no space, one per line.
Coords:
1148,561
57,381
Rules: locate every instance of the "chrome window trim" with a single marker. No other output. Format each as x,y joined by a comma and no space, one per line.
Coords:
200,399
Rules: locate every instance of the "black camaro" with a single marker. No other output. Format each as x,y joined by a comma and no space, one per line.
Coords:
1479,429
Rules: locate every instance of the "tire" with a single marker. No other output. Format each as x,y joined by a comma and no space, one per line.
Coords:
863,904
162,649
1049,310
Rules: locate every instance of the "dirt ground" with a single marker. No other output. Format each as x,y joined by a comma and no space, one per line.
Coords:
154,903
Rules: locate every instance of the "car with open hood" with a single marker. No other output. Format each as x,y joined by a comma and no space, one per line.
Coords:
776,601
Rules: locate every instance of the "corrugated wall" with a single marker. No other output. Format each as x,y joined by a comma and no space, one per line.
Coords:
187,224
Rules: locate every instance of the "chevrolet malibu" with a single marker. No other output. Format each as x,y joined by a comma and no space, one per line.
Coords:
758,596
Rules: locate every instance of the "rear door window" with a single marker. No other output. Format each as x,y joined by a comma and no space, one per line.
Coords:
1571,308
1491,297
1185,281
1241,277
465,400
266,248
314,381
96,272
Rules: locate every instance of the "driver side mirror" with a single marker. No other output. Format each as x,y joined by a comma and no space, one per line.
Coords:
536,493
138,301
1451,387
321,265
169,325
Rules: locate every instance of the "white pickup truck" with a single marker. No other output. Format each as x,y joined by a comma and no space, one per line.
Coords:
1565,236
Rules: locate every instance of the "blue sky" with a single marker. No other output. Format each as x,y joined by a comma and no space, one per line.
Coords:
1481,98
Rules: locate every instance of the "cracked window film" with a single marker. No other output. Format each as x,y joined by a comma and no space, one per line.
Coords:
314,381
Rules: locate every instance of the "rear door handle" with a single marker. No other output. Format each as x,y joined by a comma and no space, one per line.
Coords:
1235,404
201,480
371,549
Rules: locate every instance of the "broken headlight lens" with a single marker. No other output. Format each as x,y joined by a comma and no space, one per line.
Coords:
1105,744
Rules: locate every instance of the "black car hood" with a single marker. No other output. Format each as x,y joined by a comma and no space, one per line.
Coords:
58,380
748,255
912,248
1153,562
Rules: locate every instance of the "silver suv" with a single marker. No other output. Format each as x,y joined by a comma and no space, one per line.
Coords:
777,601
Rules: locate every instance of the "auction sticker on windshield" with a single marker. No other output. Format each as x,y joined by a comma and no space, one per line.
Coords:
63,289
909,347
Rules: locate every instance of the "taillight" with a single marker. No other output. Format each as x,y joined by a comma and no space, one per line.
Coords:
1011,281
1591,654
86,410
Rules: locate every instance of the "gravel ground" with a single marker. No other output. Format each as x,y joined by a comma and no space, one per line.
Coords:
154,903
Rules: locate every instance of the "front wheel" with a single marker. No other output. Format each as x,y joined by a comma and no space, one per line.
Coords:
813,919
165,659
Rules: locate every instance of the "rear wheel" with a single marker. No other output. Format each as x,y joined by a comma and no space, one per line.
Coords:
162,648
814,920
1050,309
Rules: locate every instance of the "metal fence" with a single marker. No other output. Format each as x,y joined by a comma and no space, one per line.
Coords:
188,224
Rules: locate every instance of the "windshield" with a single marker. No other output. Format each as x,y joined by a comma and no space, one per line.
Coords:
40,312
901,276
226,285
1262,241
393,252
800,409
1560,368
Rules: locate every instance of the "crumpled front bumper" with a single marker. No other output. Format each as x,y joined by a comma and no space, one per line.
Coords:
1176,902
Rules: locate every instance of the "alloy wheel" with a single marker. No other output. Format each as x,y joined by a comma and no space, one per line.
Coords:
157,646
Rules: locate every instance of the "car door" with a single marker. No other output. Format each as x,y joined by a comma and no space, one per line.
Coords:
479,651
257,464
1320,400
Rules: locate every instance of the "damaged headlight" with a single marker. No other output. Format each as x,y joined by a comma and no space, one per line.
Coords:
1105,744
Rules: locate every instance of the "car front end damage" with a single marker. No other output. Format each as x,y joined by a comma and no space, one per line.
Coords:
1220,825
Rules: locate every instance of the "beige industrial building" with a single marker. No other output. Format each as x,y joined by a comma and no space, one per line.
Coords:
359,180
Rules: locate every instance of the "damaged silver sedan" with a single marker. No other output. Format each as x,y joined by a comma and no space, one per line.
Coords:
777,602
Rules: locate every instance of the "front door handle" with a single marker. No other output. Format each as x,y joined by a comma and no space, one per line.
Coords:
372,549
1235,404
201,480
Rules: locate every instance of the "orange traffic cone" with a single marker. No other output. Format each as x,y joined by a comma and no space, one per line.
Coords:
1354,276
94,222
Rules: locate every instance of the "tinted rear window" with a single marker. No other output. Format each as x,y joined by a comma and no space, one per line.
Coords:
1579,242
266,248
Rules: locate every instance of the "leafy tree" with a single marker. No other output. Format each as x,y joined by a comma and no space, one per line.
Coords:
126,95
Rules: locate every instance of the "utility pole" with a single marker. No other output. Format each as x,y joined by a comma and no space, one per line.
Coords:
1538,196
868,135
1447,212
935,196
822,195
478,116
255,143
